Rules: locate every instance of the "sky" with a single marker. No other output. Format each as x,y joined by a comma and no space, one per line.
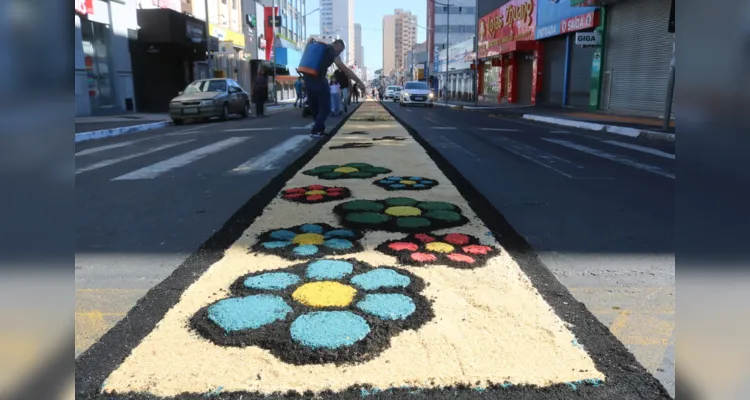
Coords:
369,13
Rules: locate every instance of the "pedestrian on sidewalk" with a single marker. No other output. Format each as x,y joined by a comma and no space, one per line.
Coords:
318,90
335,97
300,102
343,82
260,92
356,94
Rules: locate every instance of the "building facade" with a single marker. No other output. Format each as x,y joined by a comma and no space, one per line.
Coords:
359,56
405,37
103,68
461,14
453,70
389,45
337,19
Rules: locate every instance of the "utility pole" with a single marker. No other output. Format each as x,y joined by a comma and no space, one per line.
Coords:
447,50
476,53
670,91
273,19
208,42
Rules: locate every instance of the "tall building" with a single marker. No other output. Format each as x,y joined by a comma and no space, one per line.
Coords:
389,44
462,23
358,50
337,20
405,36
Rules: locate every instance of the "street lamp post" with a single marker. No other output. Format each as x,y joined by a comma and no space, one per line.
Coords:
208,42
273,21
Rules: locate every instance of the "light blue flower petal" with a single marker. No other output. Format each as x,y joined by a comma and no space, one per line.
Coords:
389,306
275,245
329,269
395,178
251,312
339,244
420,186
329,329
398,186
427,182
306,250
380,278
283,235
385,181
271,281
340,233
415,178
312,228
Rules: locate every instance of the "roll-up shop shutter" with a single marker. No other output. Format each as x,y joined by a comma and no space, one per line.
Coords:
554,70
638,51
579,85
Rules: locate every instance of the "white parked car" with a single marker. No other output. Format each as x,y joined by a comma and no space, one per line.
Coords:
416,92
392,92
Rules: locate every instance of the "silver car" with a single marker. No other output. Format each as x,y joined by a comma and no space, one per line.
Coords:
209,98
416,92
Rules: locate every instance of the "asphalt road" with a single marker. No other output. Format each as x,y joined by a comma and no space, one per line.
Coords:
598,208
145,202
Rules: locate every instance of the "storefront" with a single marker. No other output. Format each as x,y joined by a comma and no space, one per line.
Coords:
103,74
637,57
458,81
566,66
508,54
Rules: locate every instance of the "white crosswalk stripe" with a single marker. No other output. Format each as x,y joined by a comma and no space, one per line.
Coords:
268,160
642,149
154,170
108,147
612,157
107,163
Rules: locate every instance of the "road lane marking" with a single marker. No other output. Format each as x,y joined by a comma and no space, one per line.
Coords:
248,129
109,147
500,129
186,131
308,126
559,131
535,161
107,163
444,127
267,160
408,110
451,144
154,170
431,120
642,149
612,157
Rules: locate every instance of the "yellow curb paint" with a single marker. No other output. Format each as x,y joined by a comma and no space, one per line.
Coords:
324,294
439,247
308,238
490,323
403,211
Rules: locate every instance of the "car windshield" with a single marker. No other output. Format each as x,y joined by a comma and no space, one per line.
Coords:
417,85
392,87
206,86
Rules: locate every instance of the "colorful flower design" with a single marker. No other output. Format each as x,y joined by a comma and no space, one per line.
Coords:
346,171
406,183
307,241
454,249
315,194
399,214
324,311
351,145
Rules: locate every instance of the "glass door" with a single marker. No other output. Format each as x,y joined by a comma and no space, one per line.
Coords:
98,71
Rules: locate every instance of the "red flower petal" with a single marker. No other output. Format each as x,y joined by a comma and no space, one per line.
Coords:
316,187
295,190
399,246
315,197
423,257
335,189
292,195
334,194
456,238
424,237
461,258
477,249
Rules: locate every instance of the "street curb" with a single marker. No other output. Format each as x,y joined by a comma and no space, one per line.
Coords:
591,126
105,133
463,107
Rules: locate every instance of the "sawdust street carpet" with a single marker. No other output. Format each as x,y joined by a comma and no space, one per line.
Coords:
355,273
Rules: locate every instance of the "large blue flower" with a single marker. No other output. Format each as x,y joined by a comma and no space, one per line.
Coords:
406,183
319,312
309,241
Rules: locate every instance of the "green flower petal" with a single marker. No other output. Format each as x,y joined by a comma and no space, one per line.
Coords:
436,205
376,170
360,174
332,175
320,170
357,165
400,201
413,222
371,218
443,215
362,205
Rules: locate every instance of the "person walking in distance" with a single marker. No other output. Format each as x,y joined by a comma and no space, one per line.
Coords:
343,82
355,92
300,102
335,97
260,92
318,90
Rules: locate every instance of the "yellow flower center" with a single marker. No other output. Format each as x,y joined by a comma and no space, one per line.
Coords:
324,294
308,238
408,182
345,170
312,192
403,211
439,247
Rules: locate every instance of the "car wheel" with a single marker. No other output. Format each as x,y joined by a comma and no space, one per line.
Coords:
225,112
246,110
177,121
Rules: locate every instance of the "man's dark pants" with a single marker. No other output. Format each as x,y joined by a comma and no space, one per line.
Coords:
319,99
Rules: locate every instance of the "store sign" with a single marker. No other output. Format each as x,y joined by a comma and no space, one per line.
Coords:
237,38
194,31
84,7
588,38
578,23
514,21
554,17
